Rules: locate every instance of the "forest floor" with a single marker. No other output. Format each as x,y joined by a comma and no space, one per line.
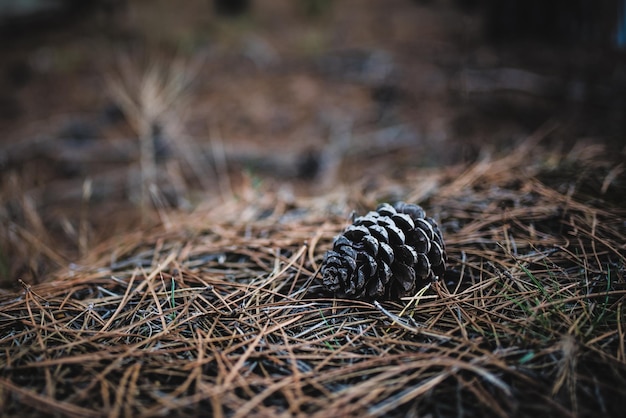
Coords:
168,192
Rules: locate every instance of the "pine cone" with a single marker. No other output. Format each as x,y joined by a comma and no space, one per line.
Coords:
387,254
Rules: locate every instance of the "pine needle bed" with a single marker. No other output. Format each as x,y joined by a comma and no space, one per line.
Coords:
218,313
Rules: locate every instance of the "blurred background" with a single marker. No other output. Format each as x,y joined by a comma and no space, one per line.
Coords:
113,112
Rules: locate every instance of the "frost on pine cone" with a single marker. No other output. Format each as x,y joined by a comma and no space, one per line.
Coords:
387,254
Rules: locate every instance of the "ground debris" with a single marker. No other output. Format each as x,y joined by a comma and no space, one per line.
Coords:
222,311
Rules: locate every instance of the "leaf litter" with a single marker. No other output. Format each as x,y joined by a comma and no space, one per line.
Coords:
220,312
